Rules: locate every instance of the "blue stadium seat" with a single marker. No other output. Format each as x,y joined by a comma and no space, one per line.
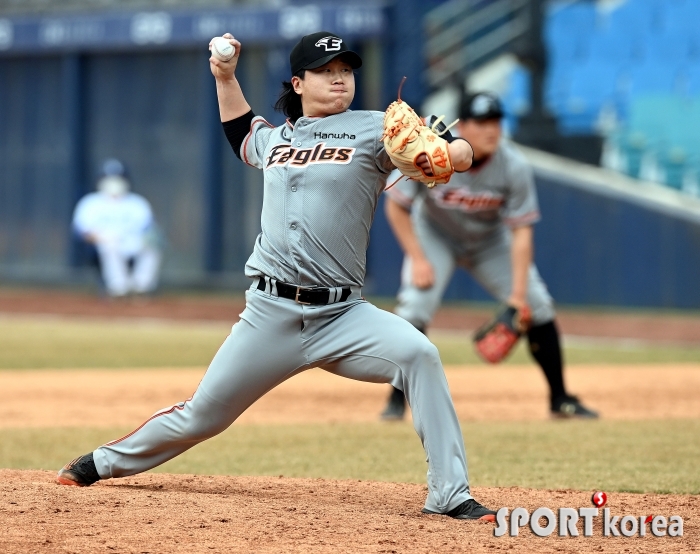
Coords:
680,15
684,129
692,77
516,99
674,163
642,58
633,17
669,124
669,47
578,17
566,47
566,31
613,45
593,85
652,114
517,96
651,77
633,146
557,84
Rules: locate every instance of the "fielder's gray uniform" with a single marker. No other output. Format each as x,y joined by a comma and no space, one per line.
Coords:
467,222
323,178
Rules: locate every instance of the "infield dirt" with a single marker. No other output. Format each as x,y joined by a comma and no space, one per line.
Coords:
113,398
185,513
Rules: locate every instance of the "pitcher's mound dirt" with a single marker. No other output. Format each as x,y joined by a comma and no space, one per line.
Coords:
184,513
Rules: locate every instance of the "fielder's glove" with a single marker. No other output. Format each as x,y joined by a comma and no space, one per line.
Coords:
406,137
495,340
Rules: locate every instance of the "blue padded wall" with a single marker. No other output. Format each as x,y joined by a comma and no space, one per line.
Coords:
35,197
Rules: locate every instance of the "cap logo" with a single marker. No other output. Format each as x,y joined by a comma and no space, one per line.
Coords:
331,44
481,105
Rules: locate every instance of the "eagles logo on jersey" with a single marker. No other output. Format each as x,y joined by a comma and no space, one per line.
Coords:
284,154
462,198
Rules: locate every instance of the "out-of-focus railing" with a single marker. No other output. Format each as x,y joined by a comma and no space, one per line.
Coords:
462,34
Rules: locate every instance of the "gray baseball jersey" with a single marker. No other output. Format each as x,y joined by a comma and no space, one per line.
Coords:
323,178
474,205
467,222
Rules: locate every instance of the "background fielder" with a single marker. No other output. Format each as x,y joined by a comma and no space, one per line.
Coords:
481,221
324,170
119,225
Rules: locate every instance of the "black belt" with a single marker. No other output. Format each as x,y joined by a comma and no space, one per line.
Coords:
319,296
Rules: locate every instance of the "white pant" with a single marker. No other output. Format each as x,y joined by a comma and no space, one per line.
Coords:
277,338
117,277
490,265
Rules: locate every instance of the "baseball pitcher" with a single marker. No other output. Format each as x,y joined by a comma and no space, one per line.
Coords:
324,170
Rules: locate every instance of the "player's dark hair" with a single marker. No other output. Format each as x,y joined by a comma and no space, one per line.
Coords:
289,102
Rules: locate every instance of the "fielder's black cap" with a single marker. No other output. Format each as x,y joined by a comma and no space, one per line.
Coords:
318,49
481,106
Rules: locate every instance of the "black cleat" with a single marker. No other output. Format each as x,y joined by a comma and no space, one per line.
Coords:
569,407
469,509
396,408
80,472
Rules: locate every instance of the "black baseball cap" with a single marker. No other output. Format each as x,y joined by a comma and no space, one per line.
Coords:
318,49
481,106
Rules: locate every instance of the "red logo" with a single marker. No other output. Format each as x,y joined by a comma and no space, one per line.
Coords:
440,157
599,499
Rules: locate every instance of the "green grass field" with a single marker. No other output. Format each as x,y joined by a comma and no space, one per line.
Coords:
640,456
649,456
33,343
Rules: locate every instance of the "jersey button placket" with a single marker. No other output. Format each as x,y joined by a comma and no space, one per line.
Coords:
294,234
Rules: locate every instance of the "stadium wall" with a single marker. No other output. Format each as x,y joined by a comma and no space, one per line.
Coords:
76,88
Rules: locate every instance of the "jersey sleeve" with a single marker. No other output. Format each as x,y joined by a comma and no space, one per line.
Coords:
403,191
80,222
255,142
236,131
383,161
521,207
84,215
143,214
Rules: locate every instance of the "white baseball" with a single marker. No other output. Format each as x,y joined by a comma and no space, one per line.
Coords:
222,49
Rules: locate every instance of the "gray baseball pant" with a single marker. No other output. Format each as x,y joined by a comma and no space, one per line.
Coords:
277,338
489,263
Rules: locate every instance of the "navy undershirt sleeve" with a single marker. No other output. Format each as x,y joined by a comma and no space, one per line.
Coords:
236,131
